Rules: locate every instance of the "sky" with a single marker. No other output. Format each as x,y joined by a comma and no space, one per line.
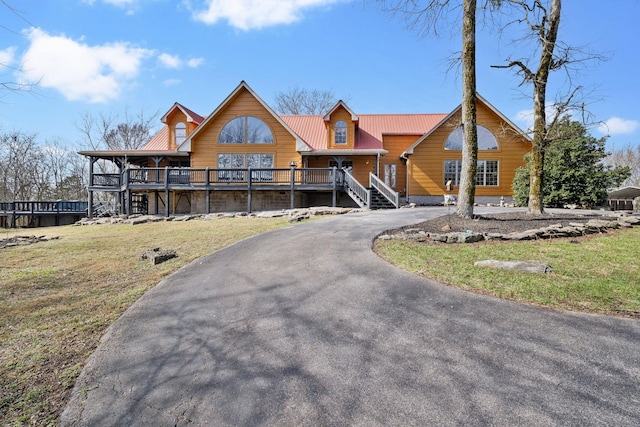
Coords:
117,57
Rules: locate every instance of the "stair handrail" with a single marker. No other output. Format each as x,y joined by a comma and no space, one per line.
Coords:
384,189
358,192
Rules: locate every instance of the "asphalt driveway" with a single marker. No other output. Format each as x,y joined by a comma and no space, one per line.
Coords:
307,326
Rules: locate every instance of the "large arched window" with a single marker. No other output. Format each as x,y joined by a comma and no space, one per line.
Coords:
341,133
180,132
245,130
486,140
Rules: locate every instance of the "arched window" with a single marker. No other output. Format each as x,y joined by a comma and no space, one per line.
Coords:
245,130
181,132
341,133
486,140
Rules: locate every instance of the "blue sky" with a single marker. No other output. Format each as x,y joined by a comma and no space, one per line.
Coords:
111,56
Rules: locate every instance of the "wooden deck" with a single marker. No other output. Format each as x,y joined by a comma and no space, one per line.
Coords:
41,213
217,179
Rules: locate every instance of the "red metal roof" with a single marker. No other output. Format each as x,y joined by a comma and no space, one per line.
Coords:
159,142
371,127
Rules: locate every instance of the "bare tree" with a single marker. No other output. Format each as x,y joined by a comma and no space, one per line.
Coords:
425,18
541,19
304,101
467,190
626,156
7,86
109,132
18,156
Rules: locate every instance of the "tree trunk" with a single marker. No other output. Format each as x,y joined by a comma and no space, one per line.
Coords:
467,190
548,36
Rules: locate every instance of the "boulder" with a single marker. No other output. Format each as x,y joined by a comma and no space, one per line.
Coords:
526,266
158,255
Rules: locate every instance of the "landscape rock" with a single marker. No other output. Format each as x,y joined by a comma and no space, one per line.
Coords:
158,255
24,240
527,266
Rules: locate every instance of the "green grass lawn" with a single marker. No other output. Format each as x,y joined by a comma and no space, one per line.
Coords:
599,274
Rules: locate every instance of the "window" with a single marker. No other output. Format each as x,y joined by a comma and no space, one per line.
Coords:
486,175
486,140
245,161
344,164
341,133
245,130
180,132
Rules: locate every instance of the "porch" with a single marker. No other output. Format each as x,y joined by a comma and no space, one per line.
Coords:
156,187
41,213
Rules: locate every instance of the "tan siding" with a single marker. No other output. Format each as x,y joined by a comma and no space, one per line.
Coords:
205,147
341,114
426,167
396,145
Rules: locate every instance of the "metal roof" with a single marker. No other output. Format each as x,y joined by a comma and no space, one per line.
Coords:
160,141
627,193
371,128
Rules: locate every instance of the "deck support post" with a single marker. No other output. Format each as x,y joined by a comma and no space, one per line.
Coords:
249,190
166,192
293,184
92,161
334,198
207,194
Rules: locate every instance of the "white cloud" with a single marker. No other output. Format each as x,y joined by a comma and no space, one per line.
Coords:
7,56
617,126
195,62
254,14
79,71
174,61
170,61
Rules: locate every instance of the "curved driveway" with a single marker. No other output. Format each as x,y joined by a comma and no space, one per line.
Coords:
307,326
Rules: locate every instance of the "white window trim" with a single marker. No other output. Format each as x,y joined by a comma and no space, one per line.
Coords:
458,170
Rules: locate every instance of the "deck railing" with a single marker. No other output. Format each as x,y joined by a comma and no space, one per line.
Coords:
105,180
216,178
58,206
384,189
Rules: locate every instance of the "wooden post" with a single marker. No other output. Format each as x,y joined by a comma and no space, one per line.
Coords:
293,184
90,207
166,191
248,190
334,200
207,196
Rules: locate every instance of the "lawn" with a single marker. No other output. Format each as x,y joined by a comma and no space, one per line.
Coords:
58,297
596,274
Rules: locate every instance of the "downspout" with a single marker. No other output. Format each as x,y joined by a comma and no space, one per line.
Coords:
404,157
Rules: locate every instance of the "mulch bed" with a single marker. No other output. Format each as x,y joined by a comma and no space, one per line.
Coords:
503,223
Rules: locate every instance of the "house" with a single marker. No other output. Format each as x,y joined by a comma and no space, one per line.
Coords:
244,156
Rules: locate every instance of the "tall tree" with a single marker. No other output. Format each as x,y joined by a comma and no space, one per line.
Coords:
303,101
426,16
467,190
543,20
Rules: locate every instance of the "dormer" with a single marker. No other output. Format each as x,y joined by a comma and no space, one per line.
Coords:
181,122
341,125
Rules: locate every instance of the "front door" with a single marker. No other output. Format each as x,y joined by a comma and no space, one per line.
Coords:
390,174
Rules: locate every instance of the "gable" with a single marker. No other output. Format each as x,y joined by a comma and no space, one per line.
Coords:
205,146
486,115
